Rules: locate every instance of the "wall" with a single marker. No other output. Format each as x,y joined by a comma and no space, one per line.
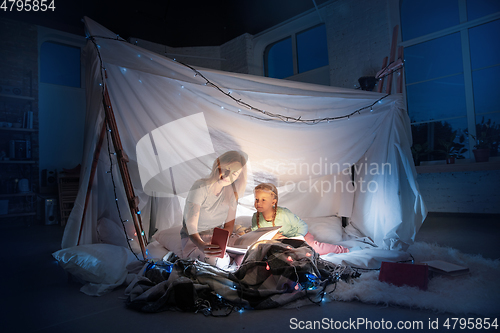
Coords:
202,56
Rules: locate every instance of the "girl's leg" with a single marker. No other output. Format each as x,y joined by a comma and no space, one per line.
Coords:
324,248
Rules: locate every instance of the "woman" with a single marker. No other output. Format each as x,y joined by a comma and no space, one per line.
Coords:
211,203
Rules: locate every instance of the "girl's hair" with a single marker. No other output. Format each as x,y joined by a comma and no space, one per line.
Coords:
270,188
219,171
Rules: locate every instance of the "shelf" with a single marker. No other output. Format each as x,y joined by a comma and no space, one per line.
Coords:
27,98
12,129
18,162
19,214
20,194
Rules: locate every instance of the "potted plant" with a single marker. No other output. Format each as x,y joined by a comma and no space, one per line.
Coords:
487,137
418,151
452,150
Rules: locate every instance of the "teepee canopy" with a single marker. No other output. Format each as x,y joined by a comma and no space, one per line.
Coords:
174,120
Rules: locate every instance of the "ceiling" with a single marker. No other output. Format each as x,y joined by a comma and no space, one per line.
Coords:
173,23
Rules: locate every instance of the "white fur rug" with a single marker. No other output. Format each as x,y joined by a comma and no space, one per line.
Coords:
475,293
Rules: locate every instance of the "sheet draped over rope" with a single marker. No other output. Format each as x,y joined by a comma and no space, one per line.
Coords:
173,125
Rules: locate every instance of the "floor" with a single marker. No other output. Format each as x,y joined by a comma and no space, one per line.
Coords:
38,296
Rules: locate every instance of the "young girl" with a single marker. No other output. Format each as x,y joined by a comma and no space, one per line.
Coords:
269,215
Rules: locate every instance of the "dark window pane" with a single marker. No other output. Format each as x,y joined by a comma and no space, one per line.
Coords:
432,59
486,96
279,59
437,99
422,17
488,130
60,64
485,44
432,140
480,8
312,51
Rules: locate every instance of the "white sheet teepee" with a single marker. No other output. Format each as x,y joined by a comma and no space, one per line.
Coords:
173,124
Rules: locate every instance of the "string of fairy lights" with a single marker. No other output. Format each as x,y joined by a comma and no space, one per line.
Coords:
268,115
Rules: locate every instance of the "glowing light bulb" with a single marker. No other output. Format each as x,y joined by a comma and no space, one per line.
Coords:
289,258
267,266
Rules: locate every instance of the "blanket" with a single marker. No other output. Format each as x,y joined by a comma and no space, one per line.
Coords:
273,273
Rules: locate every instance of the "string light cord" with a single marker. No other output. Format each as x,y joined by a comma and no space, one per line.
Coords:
270,115
275,115
116,197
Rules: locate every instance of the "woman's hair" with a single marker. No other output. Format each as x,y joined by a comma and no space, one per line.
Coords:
270,188
219,170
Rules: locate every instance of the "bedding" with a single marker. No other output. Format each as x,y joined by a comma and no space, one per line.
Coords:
326,229
273,273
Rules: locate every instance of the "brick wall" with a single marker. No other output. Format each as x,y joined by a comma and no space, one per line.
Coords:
461,192
202,56
358,39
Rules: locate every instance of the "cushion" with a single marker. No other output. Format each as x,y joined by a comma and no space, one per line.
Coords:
102,266
170,239
111,232
326,229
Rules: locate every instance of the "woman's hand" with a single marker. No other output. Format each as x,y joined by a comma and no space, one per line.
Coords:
210,249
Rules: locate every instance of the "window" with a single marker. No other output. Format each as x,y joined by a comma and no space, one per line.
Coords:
451,66
279,59
299,53
60,64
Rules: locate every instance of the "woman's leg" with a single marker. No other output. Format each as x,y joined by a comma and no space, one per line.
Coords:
324,248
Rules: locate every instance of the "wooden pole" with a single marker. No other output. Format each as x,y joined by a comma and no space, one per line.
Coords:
392,58
380,84
122,158
97,152
400,72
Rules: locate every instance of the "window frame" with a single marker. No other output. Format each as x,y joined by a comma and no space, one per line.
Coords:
462,28
295,59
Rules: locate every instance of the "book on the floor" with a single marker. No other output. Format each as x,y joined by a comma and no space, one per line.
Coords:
446,268
243,242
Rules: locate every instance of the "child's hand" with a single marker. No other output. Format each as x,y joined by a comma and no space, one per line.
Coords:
279,235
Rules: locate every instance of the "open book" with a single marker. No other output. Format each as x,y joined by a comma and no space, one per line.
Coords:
242,243
446,268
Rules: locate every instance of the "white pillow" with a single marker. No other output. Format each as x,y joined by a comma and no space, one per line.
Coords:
110,232
103,266
170,239
326,229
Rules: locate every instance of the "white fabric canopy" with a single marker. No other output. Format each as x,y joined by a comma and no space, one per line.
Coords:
173,125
